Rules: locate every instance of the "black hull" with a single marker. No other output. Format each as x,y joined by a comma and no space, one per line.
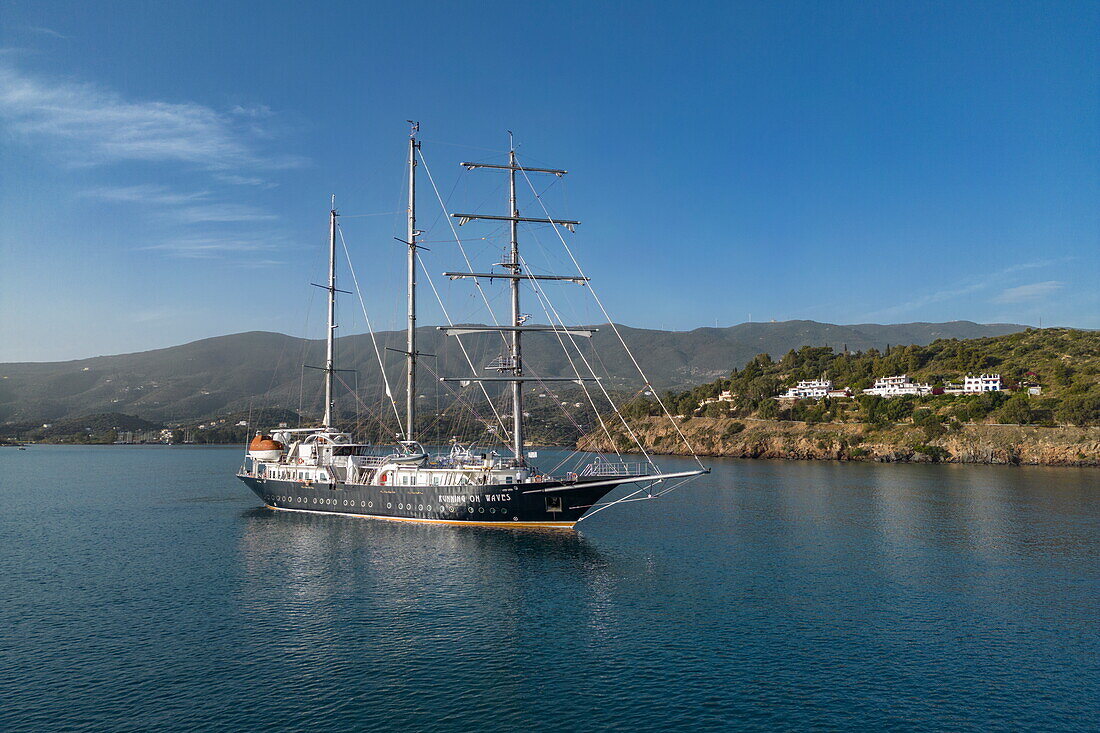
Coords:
496,505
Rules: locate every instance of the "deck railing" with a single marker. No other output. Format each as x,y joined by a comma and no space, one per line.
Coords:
614,468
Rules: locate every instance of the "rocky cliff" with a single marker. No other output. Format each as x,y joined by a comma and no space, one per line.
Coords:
745,438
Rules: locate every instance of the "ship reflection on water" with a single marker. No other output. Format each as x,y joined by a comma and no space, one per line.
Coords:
408,590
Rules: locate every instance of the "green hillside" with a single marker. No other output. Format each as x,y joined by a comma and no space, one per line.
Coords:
1064,362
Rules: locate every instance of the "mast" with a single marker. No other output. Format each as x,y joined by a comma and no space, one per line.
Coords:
514,276
517,367
330,365
410,336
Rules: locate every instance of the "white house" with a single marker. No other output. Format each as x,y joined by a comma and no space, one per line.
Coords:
897,386
982,383
976,385
809,388
726,396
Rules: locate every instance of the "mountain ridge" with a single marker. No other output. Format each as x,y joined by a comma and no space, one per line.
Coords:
221,373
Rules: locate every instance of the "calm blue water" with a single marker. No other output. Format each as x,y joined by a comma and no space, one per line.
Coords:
142,588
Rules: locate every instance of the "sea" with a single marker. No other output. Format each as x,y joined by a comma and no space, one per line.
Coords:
145,588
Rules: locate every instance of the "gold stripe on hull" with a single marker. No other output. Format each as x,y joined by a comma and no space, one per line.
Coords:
472,523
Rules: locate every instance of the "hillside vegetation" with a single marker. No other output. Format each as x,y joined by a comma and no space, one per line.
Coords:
1064,362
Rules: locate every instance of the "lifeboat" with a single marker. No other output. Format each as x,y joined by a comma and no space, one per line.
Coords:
263,448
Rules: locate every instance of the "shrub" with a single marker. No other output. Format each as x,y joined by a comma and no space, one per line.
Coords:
733,429
937,453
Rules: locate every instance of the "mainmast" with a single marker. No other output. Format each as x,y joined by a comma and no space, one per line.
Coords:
515,274
514,266
410,336
330,362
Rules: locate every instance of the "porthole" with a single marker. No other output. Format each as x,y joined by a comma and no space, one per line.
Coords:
481,510
429,507
345,502
388,505
370,504
420,508
363,504
492,510
315,500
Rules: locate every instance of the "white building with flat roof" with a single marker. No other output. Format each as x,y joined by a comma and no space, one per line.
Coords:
809,389
976,385
897,386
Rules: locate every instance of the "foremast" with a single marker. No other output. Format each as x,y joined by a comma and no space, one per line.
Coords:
330,341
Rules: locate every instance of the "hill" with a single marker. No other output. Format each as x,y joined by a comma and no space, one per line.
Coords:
226,374
1063,363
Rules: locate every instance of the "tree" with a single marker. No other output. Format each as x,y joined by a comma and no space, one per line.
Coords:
1081,409
930,422
1017,411
872,407
898,408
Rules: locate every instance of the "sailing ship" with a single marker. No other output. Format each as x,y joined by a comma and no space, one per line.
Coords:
325,470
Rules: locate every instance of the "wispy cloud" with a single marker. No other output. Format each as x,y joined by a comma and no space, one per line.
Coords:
87,124
969,286
209,247
255,111
220,213
938,296
145,194
44,31
254,263
239,180
92,125
1032,291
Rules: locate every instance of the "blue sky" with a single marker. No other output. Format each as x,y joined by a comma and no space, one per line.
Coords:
166,167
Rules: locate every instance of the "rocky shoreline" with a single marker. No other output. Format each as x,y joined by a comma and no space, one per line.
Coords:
901,443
